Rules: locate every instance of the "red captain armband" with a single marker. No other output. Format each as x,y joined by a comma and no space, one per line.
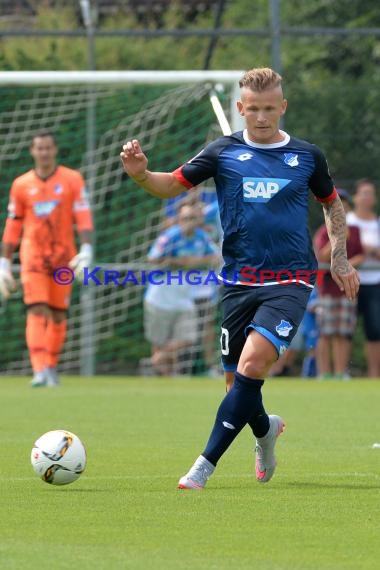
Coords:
334,194
181,179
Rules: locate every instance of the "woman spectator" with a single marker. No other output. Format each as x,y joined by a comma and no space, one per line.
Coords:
365,218
336,313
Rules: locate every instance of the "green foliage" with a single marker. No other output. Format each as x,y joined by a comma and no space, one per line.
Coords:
34,54
323,55
13,316
343,55
342,118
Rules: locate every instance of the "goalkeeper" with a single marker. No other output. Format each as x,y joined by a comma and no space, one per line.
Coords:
45,205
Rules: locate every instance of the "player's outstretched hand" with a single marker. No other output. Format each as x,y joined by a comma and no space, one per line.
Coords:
347,279
81,260
7,283
134,160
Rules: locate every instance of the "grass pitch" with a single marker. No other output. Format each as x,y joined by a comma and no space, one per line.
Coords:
320,512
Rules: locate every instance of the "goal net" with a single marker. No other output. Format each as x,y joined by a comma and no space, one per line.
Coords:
92,114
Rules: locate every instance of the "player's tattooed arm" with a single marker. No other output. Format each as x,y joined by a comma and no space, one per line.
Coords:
335,218
341,270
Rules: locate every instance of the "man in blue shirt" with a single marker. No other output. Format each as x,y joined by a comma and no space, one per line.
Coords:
170,319
262,177
206,293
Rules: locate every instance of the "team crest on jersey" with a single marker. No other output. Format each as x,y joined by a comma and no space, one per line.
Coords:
284,328
44,208
58,189
262,189
291,159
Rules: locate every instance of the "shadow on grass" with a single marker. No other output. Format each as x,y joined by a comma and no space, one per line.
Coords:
94,490
236,487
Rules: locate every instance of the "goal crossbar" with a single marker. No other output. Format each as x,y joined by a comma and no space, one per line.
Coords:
115,77
122,78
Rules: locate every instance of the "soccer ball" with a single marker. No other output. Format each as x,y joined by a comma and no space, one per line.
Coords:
58,457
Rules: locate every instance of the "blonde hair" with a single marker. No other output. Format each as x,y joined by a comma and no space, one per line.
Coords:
260,79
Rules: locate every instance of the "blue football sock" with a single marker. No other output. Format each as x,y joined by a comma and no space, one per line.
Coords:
240,404
259,423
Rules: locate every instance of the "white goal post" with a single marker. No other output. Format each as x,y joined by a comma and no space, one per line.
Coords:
46,110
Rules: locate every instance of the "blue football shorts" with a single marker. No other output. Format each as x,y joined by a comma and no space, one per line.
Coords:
275,311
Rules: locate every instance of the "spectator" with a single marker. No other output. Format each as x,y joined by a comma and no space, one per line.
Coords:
364,217
199,197
170,315
336,313
211,219
205,296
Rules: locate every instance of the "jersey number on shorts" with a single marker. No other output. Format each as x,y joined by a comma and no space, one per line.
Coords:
224,339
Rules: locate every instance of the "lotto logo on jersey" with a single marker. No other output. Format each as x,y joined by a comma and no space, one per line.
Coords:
44,208
262,189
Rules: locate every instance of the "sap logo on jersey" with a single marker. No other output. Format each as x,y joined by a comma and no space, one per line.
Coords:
44,208
262,189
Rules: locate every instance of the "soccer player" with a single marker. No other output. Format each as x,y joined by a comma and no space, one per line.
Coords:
45,205
262,177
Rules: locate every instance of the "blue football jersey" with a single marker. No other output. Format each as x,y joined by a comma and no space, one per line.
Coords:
263,194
